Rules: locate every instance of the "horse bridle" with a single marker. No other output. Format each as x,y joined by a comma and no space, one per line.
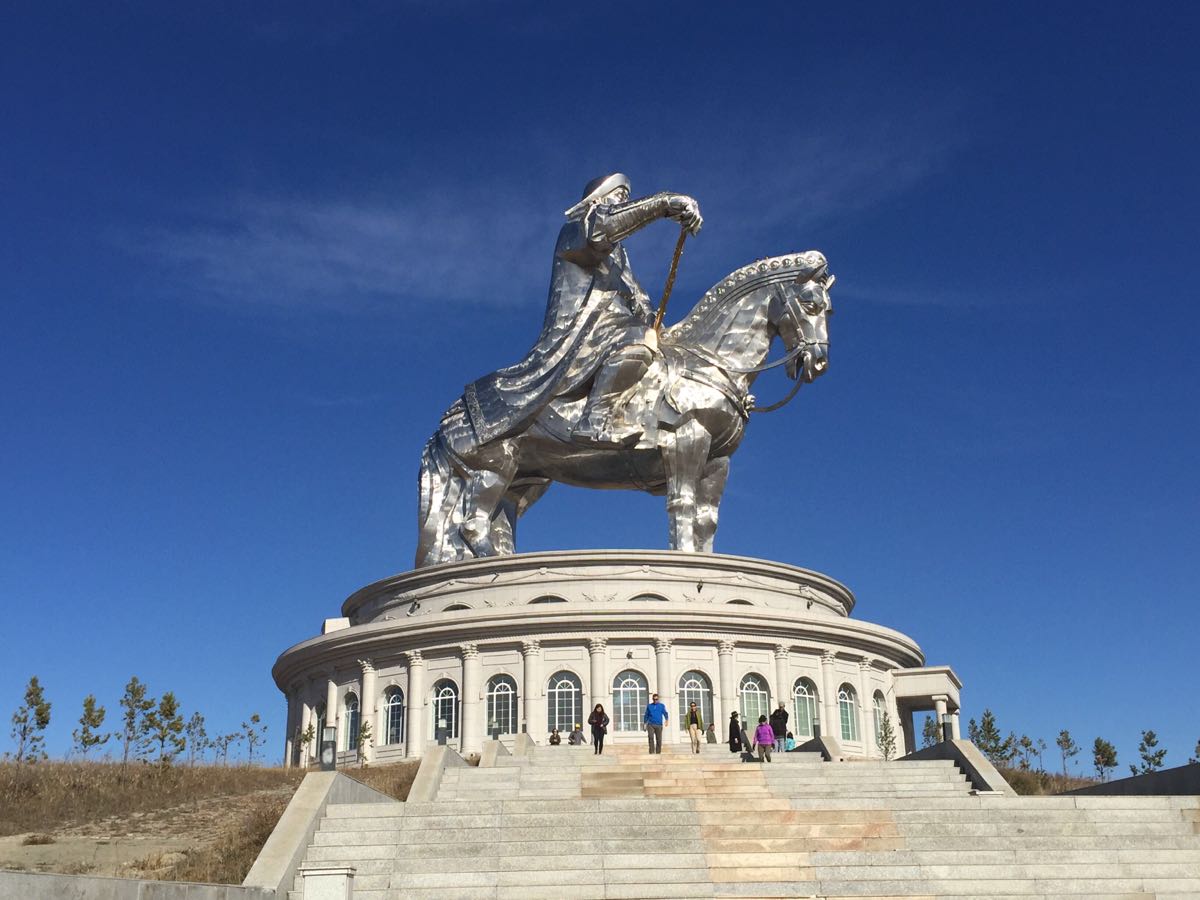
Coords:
789,307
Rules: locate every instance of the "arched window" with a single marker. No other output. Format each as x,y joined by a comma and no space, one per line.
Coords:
352,720
653,597
848,711
694,687
804,700
877,709
501,704
548,599
740,602
456,607
564,701
393,715
753,699
445,706
630,696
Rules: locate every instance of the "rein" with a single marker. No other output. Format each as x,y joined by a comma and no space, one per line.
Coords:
729,370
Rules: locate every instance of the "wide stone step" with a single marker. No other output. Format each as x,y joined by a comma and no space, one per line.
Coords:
921,816
350,810
967,856
1018,871
646,832
553,848
1044,887
636,873
1050,829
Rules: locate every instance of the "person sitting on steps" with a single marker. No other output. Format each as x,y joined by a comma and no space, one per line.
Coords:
555,738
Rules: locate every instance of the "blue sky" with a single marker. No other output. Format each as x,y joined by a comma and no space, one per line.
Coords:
248,254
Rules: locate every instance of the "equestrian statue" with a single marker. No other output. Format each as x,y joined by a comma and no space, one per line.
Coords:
604,399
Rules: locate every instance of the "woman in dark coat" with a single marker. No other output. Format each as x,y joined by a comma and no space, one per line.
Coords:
599,722
735,734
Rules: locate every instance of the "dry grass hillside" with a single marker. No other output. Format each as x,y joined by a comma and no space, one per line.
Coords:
146,821
206,823
1037,782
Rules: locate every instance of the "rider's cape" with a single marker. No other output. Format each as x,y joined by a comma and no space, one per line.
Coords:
595,306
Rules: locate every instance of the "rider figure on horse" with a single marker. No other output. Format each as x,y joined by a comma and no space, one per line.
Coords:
598,335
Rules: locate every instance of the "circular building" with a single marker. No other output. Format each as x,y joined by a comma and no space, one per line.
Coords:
489,648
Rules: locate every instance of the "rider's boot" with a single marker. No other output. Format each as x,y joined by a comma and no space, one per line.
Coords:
602,424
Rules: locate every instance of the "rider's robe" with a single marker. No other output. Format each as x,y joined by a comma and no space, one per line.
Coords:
595,306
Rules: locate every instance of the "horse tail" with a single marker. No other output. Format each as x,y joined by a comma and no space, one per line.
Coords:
440,491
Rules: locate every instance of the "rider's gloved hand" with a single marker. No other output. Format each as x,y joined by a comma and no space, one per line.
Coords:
686,211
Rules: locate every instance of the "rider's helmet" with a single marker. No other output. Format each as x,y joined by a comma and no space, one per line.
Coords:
597,188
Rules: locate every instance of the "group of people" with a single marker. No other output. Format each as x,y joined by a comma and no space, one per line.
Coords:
769,734
597,721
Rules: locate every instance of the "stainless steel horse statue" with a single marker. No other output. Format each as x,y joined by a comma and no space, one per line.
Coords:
689,413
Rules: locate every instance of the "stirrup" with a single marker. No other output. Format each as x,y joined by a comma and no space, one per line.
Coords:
602,434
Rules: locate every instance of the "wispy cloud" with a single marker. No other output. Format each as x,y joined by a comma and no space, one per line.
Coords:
354,256
459,242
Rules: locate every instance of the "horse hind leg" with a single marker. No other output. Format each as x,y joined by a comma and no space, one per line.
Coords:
518,499
440,491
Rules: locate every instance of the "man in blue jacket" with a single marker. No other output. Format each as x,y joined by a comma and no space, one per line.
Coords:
655,718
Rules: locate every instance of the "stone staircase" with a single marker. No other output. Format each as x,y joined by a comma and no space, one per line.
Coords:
562,822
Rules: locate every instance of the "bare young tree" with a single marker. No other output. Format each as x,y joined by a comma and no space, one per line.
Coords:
135,704
1104,758
197,737
1067,746
221,744
886,739
1152,759
164,726
253,733
88,734
29,722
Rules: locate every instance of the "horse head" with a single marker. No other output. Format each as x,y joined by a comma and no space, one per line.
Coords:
801,311
793,292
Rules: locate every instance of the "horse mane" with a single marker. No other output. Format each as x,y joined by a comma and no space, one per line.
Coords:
769,270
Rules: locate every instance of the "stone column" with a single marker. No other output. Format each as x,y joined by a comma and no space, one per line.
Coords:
333,713
415,714
830,723
939,706
535,715
870,746
726,689
306,720
290,728
471,727
903,737
908,736
599,686
955,731
366,710
666,684
783,687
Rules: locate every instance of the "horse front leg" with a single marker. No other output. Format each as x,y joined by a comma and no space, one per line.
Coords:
708,501
684,454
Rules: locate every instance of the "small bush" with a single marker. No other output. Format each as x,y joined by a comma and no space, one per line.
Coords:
35,840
